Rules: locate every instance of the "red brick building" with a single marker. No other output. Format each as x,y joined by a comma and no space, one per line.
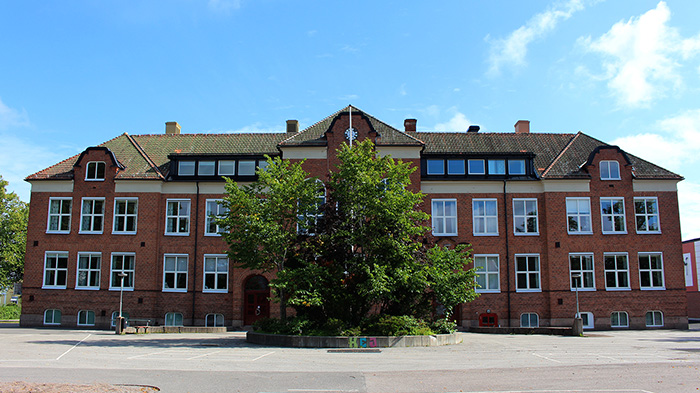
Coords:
545,214
691,261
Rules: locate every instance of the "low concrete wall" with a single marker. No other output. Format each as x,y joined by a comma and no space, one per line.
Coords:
173,329
552,331
364,342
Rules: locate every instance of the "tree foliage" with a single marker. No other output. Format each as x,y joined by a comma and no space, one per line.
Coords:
13,236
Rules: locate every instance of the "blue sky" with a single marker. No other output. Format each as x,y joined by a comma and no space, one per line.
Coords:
74,74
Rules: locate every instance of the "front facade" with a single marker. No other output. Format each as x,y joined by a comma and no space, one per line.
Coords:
547,215
691,262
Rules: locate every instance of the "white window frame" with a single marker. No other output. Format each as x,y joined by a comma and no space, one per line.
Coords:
171,319
650,271
528,273
176,272
529,319
125,216
646,216
485,217
87,314
233,168
53,317
206,163
588,321
178,217
244,164
60,216
605,174
131,273
427,166
58,255
520,161
435,218
210,216
89,271
187,162
96,164
474,172
215,258
525,217
216,317
450,172
616,271
582,272
612,215
92,216
307,224
654,318
487,273
578,215
618,324
495,162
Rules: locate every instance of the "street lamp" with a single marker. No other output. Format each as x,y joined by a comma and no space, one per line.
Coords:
119,326
576,277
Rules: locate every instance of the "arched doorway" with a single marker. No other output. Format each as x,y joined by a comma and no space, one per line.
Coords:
256,299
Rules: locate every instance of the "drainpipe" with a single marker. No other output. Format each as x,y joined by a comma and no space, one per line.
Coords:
507,229
194,261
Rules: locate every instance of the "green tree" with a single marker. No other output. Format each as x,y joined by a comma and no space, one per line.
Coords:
13,235
263,219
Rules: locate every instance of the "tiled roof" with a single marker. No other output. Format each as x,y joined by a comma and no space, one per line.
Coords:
315,134
556,156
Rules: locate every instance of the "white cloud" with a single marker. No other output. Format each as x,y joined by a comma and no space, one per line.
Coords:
402,90
513,49
224,5
642,56
11,117
255,128
458,122
688,197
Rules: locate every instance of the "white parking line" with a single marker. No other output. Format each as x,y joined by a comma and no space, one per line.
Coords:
203,355
73,347
262,356
544,357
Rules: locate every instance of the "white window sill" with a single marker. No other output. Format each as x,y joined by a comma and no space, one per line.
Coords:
485,234
53,287
87,288
213,234
617,289
175,290
123,233
90,232
614,233
488,291
652,288
526,234
215,291
648,232
126,289
58,232
444,234
584,289
528,290
176,234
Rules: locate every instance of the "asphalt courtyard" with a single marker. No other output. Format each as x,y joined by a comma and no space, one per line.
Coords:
616,361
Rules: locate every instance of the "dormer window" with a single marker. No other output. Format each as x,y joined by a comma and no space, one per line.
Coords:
436,167
227,168
516,167
95,170
497,167
609,170
246,168
455,167
476,167
185,168
207,168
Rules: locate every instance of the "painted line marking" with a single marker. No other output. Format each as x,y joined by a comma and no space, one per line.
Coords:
146,354
202,355
262,356
567,391
73,347
321,390
544,357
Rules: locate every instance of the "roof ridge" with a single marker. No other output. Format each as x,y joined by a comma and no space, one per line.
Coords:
145,156
561,153
394,128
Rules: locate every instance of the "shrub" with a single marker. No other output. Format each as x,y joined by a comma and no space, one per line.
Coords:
443,326
10,311
391,325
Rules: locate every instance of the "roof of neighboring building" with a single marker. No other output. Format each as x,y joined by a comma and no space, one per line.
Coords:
556,156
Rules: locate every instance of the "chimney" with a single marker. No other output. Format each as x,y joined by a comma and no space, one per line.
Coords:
171,127
410,125
292,126
522,127
473,128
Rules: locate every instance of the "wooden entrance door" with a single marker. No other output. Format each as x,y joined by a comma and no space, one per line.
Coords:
256,299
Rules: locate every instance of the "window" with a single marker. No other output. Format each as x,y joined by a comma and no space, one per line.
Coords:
609,170
613,215
55,270
227,167
581,269
435,167
309,220
125,215
95,170
262,165
646,214
527,273
122,263
177,217
476,167
487,277
485,216
173,319
246,168
497,167
59,215
115,315
587,319
455,167
175,273
444,216
578,215
516,167
88,270
52,317
616,272
92,215
619,319
651,271
215,273
185,168
215,210
214,320
654,319
86,318
525,216
206,168
529,320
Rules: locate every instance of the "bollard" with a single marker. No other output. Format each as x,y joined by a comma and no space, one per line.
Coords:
120,325
577,328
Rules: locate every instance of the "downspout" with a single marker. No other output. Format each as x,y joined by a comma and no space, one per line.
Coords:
194,262
505,217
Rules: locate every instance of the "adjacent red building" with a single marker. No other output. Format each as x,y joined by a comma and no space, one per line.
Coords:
547,215
691,261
